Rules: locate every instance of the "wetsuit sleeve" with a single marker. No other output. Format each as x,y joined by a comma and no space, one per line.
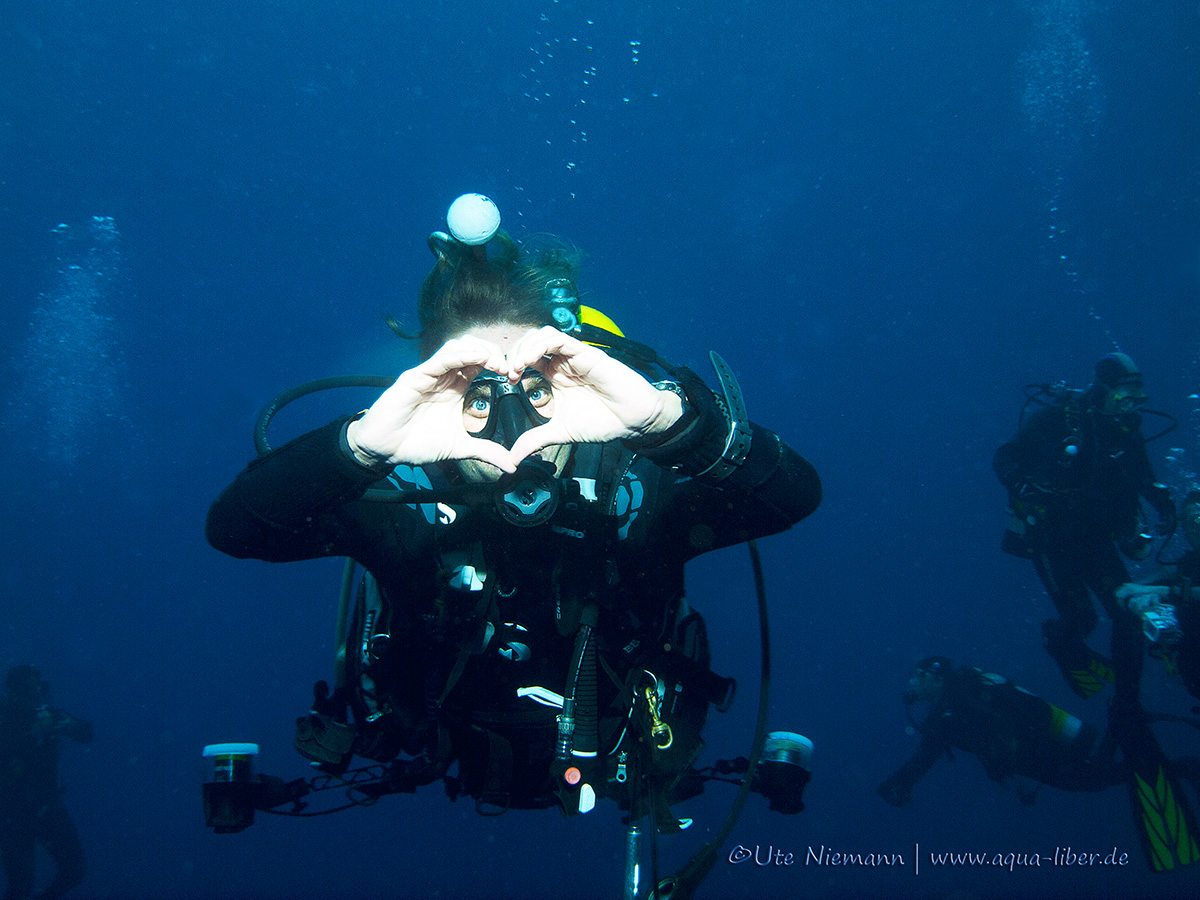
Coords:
698,439
76,729
1024,459
772,489
289,504
897,790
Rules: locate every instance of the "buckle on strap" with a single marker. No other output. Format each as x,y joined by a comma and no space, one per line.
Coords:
737,441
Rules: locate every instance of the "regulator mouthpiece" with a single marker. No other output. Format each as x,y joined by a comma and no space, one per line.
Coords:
529,496
473,219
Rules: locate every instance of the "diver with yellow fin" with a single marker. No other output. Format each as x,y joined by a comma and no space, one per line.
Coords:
1013,733
1166,824
1016,734
1076,472
1169,614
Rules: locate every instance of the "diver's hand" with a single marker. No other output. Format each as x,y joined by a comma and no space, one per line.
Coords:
1141,597
596,397
75,729
419,418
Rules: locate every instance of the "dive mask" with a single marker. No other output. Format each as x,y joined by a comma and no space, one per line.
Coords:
1126,402
507,410
920,681
1126,398
530,495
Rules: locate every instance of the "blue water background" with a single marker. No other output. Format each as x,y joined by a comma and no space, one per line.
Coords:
888,217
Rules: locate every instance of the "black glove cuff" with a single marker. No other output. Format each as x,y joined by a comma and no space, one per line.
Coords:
696,440
646,445
348,451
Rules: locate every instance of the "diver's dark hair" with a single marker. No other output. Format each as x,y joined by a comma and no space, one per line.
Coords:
470,286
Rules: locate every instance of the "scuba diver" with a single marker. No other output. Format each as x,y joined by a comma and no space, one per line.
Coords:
1169,609
1075,473
523,502
1011,731
1168,612
31,806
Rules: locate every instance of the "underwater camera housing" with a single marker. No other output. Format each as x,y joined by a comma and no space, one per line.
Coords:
229,795
235,792
1160,625
784,770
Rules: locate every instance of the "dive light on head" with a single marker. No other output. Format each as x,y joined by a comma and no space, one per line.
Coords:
473,219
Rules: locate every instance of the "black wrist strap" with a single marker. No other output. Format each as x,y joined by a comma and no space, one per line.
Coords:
738,439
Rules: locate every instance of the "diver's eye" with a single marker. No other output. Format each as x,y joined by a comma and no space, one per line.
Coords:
537,389
478,406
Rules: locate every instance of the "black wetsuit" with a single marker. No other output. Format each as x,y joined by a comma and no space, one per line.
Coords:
1011,731
1074,478
31,807
625,528
1187,612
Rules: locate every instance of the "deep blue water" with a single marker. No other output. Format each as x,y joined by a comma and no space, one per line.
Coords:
887,216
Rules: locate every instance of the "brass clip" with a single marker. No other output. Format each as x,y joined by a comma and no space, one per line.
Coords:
659,730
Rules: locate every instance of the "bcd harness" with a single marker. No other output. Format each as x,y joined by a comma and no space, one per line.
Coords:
653,685
1033,504
634,697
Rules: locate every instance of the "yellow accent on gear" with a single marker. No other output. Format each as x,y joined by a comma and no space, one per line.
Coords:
1170,842
1087,682
1101,671
590,316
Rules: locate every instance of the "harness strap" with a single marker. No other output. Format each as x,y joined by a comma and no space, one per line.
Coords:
465,652
716,689
495,794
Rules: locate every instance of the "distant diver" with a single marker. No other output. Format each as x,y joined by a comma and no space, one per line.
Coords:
32,812
1014,734
1075,473
1169,608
